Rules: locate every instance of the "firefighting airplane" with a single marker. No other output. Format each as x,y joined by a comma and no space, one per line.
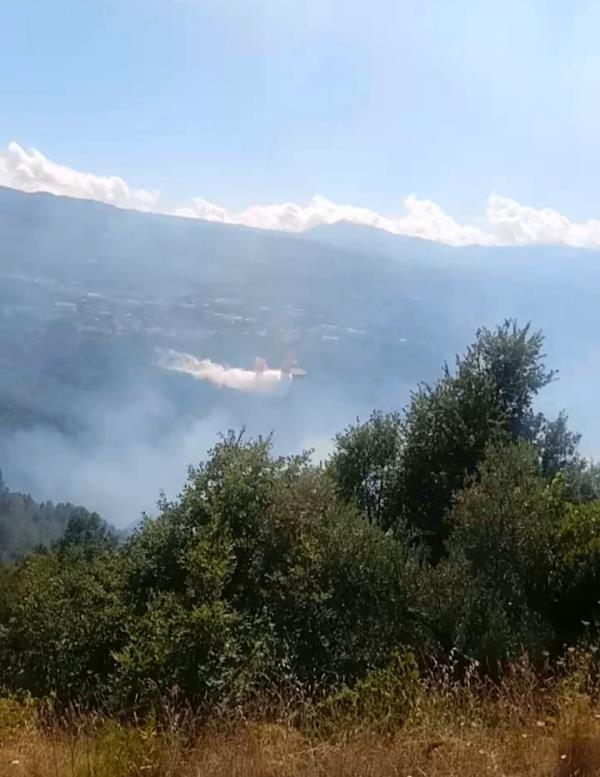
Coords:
260,380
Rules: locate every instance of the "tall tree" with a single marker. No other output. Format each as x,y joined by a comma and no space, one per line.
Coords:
489,397
365,465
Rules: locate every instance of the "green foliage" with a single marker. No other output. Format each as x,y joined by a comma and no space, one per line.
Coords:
557,446
579,552
259,573
383,697
405,471
511,509
522,570
579,533
448,427
172,648
502,562
364,465
271,542
273,571
26,524
58,633
88,534
582,482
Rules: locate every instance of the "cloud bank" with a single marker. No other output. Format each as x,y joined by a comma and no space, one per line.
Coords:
31,171
422,218
505,222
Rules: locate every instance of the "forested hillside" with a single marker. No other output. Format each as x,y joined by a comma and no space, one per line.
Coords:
463,528
26,524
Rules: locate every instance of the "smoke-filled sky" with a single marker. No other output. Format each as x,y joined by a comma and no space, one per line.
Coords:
457,121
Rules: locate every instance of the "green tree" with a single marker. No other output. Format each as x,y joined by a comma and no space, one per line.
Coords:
447,427
312,588
61,626
87,533
577,610
26,524
496,592
365,465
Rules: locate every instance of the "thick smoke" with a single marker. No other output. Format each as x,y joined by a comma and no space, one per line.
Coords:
260,380
129,449
140,442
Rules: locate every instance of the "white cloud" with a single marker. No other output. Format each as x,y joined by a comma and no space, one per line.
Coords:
516,224
506,221
423,218
31,171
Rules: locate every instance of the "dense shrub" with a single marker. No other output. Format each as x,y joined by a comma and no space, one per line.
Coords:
469,526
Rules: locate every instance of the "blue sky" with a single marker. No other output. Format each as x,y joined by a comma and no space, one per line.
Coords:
258,101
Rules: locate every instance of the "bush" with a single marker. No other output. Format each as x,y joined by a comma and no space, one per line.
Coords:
60,631
321,593
494,592
468,527
383,698
365,466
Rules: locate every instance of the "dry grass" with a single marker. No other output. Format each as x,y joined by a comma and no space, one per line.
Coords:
525,728
276,751
269,750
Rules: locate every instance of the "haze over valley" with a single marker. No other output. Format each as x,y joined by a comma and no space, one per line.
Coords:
92,298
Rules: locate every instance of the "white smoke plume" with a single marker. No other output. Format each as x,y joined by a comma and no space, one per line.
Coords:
260,380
